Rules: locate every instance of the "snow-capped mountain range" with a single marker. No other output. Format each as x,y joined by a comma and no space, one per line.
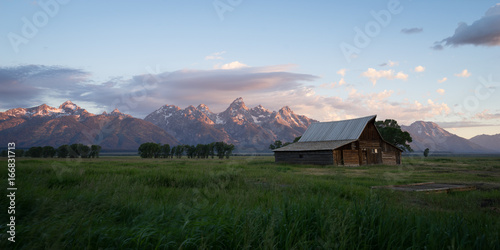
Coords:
250,129
48,126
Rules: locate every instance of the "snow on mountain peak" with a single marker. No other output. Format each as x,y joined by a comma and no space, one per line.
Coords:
203,108
238,104
68,105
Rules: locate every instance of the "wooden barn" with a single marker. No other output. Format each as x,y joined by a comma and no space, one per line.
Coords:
349,142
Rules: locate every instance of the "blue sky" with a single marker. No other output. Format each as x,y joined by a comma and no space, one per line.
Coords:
422,60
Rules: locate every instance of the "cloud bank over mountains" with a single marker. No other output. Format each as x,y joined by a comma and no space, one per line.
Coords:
272,86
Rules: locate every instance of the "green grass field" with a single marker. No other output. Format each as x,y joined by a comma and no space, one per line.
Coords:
248,203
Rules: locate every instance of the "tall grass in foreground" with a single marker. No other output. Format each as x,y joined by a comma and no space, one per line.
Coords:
243,204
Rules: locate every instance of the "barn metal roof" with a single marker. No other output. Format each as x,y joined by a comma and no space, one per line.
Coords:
314,146
337,130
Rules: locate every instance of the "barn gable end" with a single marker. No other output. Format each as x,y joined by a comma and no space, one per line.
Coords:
348,142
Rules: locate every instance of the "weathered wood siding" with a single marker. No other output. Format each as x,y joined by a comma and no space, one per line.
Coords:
337,157
351,157
305,157
390,154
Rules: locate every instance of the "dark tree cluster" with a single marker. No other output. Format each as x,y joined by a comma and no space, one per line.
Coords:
156,150
279,144
78,151
392,133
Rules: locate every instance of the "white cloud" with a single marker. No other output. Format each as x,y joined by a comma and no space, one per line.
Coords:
444,79
342,72
438,109
215,56
419,69
374,75
464,73
440,91
231,65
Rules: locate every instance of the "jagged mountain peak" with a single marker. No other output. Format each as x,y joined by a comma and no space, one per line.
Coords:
429,128
238,104
69,105
286,109
118,113
167,108
204,108
261,108
424,124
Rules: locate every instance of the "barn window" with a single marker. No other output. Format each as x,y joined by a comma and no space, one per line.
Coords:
374,151
301,156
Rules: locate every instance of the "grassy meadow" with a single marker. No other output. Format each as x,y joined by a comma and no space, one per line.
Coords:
248,203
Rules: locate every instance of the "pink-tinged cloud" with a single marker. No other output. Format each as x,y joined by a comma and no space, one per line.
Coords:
342,72
486,115
444,79
266,85
328,85
341,82
375,75
232,65
419,69
464,73
440,91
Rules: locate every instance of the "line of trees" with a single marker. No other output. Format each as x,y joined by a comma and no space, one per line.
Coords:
64,151
203,151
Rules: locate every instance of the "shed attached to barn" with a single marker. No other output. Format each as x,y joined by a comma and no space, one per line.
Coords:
348,142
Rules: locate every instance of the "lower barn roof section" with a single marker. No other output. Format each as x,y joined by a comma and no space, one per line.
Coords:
314,146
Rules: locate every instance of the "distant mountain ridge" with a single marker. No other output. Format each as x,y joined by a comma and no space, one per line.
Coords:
48,126
487,141
251,129
430,135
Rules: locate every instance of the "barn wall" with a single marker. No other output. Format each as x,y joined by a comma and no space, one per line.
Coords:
305,157
351,157
389,158
337,157
390,154
370,133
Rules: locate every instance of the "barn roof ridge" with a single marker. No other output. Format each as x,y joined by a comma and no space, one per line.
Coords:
336,130
364,117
